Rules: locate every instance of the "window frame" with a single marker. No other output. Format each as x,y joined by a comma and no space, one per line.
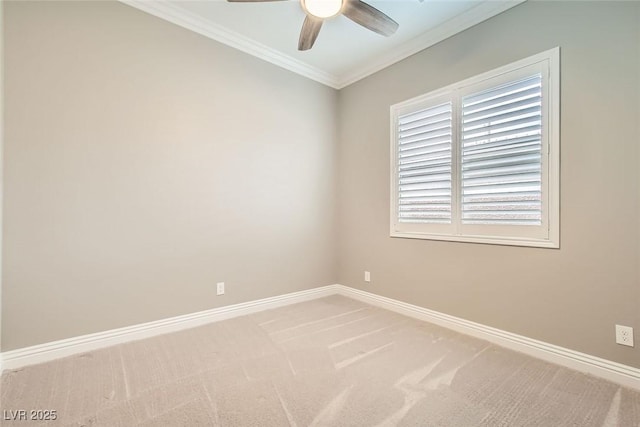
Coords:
547,235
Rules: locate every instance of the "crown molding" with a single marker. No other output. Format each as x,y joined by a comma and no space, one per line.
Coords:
170,12
176,15
483,11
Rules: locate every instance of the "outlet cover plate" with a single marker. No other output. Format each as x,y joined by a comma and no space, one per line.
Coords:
220,288
624,335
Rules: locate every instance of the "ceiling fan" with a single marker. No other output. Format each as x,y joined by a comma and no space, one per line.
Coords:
319,10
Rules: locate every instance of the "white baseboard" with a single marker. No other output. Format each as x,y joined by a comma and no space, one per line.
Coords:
81,344
616,372
622,374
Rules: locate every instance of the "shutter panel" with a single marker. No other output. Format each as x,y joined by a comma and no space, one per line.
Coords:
424,165
501,154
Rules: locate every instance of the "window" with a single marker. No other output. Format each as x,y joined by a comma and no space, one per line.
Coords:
478,161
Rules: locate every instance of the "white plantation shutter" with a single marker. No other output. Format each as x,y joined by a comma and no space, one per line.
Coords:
478,160
501,151
424,165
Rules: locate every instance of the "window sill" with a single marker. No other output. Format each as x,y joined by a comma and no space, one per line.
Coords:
479,239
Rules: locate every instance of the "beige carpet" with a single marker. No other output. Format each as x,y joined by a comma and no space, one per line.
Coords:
328,362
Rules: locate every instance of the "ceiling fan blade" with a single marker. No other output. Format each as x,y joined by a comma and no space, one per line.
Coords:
309,33
369,17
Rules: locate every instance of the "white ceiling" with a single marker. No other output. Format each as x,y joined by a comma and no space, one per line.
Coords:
344,51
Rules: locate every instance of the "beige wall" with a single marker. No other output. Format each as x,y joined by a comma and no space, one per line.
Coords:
144,163
572,296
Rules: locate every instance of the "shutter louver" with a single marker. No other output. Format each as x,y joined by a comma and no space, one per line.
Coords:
424,165
501,154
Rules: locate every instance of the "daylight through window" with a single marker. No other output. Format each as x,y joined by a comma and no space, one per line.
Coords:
478,161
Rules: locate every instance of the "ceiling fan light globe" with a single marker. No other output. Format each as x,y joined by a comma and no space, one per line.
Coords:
322,8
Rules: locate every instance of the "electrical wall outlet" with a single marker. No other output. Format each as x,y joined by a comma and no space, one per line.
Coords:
624,335
367,276
220,288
